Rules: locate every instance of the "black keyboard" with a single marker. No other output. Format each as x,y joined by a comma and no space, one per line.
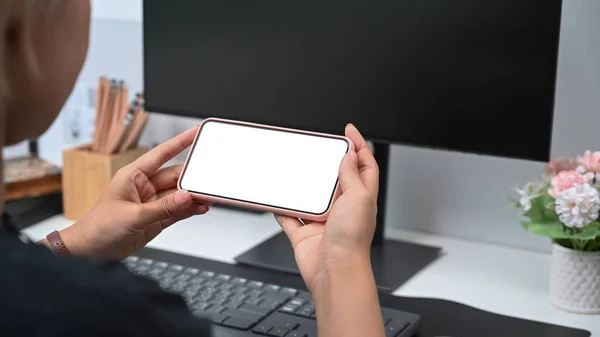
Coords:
249,306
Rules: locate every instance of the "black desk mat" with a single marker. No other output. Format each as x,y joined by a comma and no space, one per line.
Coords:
394,262
29,211
439,318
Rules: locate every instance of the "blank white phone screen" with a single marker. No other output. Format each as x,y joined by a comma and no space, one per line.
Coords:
282,169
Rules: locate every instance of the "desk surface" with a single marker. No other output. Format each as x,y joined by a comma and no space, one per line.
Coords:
497,279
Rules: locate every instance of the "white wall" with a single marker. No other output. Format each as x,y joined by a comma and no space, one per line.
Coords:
435,191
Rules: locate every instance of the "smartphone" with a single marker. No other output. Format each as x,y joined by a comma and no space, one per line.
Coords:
262,167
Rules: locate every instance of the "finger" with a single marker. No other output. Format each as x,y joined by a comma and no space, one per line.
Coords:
164,193
157,157
164,208
289,226
156,228
367,166
166,177
195,210
349,176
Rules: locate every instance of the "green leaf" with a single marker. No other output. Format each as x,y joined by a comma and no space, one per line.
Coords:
557,230
552,230
512,202
540,212
588,232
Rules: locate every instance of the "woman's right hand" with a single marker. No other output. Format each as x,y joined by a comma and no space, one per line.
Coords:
333,257
344,240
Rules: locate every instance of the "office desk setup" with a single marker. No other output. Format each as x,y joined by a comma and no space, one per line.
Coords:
495,279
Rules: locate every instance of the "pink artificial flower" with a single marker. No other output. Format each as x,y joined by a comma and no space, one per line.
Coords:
589,166
565,180
560,164
589,162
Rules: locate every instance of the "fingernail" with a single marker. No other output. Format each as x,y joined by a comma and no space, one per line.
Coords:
353,156
182,197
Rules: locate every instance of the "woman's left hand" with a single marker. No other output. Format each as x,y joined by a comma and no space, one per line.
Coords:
141,201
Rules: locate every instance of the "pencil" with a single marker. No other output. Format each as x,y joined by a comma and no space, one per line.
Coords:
101,100
105,117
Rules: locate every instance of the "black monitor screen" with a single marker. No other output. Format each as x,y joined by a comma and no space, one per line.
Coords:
467,75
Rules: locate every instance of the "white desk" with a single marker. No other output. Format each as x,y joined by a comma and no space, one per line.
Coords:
497,279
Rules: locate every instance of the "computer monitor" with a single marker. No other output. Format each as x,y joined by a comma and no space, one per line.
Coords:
464,75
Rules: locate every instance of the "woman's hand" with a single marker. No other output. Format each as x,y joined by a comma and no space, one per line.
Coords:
333,257
141,200
347,234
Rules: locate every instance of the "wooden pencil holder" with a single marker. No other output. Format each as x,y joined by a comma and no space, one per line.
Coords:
86,174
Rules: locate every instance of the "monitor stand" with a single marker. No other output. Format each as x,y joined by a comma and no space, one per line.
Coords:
393,262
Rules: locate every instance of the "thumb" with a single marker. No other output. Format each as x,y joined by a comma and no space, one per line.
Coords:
165,207
349,175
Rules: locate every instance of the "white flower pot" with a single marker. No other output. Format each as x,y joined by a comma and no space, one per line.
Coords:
575,280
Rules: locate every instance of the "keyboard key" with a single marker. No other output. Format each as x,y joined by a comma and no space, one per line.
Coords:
227,286
238,297
255,294
238,323
177,287
200,307
216,318
197,280
296,301
145,262
161,265
255,308
278,332
296,334
217,301
305,311
176,268
211,284
224,293
207,274
241,290
271,304
165,283
251,316
131,259
232,304
155,273
255,284
216,308
141,269
272,287
239,281
169,274
288,309
183,277
253,301
223,277
289,291
191,271
190,293
394,328
313,315
261,329
399,322
275,296
290,325
190,301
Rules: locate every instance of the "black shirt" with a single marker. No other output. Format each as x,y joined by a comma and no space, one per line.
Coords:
46,295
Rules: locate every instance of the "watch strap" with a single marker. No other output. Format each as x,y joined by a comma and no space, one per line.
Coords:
57,244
